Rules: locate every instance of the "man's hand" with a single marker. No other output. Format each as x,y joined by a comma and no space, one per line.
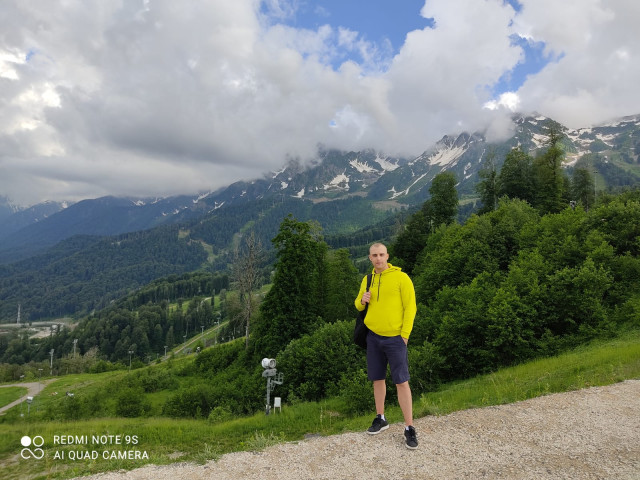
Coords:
406,340
366,298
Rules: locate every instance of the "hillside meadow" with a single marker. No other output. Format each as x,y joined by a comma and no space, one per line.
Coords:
74,448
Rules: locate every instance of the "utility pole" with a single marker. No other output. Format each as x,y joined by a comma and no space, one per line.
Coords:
595,195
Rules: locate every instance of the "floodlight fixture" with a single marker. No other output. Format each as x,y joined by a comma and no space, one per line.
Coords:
273,378
268,363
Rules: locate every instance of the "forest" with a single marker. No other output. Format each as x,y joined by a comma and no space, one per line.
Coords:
506,286
543,266
84,273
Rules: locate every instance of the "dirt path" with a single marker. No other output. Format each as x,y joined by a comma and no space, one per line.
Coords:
32,389
586,434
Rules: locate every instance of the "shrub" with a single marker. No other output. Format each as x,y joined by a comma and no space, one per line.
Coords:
130,402
313,365
425,367
194,401
357,392
220,414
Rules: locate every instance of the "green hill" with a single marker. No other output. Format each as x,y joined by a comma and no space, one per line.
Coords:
166,440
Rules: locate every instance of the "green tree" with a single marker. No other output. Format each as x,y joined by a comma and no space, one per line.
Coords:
456,254
170,339
442,207
410,242
487,187
342,286
297,298
582,188
549,178
515,179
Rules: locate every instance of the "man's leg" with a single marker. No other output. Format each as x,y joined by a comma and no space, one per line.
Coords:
379,394
404,400
379,423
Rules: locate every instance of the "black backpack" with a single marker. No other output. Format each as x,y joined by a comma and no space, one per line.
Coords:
361,330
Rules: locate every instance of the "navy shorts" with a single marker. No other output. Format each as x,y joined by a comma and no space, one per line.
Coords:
387,350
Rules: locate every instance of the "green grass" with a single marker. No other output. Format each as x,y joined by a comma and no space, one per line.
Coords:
10,394
170,440
599,363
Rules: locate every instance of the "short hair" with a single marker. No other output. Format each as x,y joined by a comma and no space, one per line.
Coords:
377,244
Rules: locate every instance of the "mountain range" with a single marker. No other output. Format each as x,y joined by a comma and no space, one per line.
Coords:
344,191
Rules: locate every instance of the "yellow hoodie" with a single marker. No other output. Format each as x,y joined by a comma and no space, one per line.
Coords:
393,303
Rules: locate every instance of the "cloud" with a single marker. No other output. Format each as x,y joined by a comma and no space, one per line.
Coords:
598,69
161,97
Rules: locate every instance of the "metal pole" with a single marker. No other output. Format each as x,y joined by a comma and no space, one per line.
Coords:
268,407
595,195
39,387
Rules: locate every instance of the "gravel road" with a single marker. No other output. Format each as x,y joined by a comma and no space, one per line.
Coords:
32,389
586,434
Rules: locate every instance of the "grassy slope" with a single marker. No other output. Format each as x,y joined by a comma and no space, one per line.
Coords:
10,394
167,440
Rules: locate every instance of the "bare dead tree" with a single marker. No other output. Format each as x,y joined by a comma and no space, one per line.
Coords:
245,277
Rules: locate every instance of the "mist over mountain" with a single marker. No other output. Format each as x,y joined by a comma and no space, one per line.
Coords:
387,182
356,197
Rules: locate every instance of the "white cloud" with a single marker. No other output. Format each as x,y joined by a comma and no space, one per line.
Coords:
165,97
596,77
509,100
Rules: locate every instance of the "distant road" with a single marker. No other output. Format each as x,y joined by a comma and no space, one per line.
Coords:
32,389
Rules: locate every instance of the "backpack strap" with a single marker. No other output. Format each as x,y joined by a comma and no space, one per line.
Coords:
366,306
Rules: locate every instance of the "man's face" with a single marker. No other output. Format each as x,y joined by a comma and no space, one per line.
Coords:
379,256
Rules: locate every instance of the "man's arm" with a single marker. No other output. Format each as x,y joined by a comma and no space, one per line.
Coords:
409,304
358,301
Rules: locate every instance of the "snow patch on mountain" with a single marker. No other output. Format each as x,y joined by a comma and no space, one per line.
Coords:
571,159
337,182
447,156
607,139
539,140
385,164
275,174
404,192
578,137
362,167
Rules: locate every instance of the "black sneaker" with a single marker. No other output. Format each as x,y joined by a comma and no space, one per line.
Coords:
411,441
378,426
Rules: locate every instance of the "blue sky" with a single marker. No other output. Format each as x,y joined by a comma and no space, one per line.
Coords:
377,20
387,22
158,97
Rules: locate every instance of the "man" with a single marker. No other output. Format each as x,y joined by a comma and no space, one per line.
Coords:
392,309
